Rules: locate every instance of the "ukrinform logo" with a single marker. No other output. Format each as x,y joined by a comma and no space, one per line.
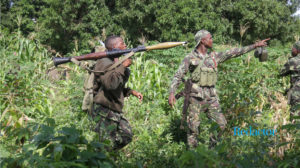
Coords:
254,132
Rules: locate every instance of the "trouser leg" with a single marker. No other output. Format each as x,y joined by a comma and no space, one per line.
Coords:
214,113
114,126
193,122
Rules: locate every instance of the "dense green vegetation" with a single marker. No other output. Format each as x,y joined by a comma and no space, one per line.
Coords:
42,124
77,25
41,121
37,130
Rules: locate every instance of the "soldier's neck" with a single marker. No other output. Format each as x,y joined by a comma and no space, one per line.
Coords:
202,49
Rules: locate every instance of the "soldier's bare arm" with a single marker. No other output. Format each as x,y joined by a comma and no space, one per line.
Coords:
137,94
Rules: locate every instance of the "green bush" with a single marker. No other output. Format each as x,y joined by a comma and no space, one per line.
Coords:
66,147
28,97
78,25
251,94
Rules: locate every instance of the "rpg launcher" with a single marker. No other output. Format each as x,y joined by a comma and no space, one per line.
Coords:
116,53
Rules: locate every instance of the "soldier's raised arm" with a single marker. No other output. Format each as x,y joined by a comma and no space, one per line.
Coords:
223,56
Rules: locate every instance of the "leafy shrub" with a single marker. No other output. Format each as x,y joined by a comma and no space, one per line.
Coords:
66,147
78,25
251,94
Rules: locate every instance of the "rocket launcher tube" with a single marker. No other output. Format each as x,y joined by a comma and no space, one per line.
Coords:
116,53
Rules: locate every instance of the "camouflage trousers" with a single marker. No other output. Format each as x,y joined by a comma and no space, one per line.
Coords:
294,100
197,106
112,125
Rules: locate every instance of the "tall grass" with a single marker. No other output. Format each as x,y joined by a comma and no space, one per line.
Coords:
42,123
28,99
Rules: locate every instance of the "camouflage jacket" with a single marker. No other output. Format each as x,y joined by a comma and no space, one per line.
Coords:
292,67
109,87
210,60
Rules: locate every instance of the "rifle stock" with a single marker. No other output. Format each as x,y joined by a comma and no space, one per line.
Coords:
116,53
187,92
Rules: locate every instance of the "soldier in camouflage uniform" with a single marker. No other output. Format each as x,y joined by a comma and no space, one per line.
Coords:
202,67
292,67
110,91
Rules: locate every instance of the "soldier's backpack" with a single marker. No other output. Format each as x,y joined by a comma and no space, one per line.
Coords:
87,102
88,99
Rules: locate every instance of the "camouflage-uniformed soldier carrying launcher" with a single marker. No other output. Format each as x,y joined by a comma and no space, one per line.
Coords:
109,101
109,91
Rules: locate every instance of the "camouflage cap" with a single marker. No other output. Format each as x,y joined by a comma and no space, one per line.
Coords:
297,45
199,35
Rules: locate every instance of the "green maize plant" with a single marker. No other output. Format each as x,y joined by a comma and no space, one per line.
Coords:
148,75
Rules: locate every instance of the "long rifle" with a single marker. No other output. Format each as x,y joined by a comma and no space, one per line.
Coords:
186,93
116,53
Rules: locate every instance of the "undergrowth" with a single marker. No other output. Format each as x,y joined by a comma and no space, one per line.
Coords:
42,124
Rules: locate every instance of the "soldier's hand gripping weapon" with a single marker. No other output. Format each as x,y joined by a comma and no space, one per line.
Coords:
116,53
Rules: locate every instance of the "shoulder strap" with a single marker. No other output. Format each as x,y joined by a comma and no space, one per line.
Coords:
120,61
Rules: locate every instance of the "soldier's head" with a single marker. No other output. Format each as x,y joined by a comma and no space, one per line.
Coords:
296,49
204,37
115,42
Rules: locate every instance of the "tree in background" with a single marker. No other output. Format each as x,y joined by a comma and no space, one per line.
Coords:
293,5
180,19
63,25
4,12
23,14
266,18
166,20
71,24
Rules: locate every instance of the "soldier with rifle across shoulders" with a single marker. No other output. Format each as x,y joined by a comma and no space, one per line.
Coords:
202,97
